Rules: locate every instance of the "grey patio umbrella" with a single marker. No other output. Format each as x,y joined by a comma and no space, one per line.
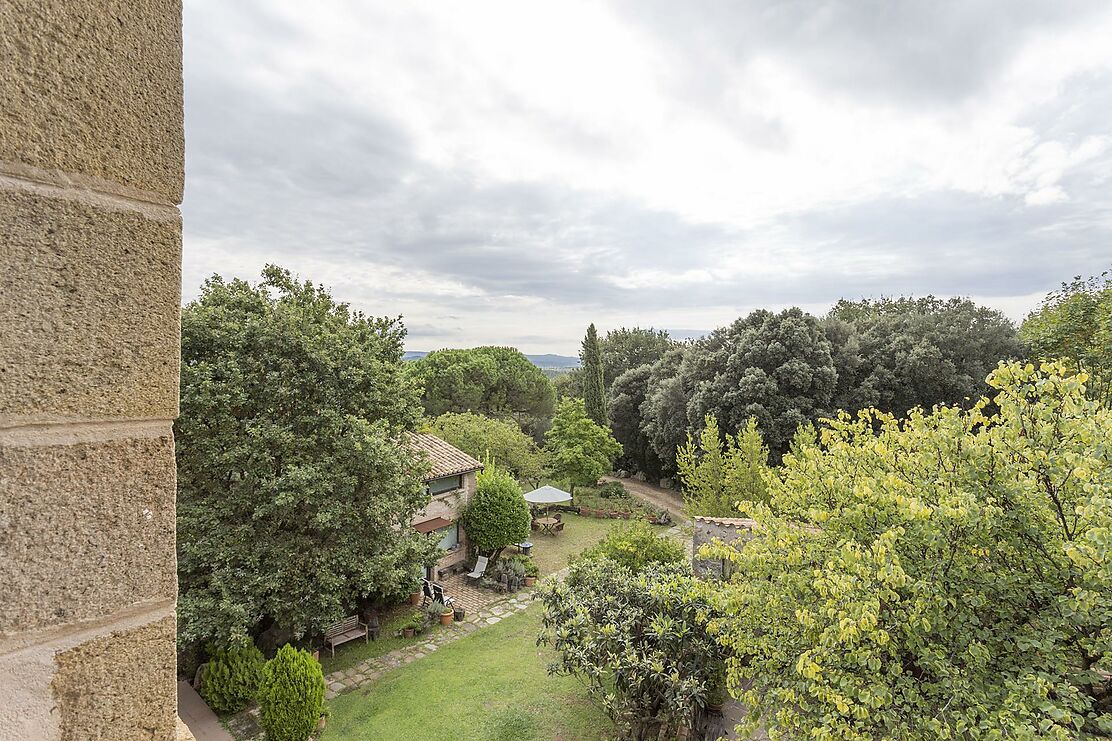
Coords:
547,495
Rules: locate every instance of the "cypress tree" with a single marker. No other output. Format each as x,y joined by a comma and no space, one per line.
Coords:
594,392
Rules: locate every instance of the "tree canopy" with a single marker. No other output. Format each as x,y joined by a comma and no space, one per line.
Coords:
773,367
627,396
594,392
498,441
579,449
291,405
896,354
945,576
493,381
722,470
624,349
1075,323
497,515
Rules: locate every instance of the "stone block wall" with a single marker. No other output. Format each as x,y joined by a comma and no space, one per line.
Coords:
730,530
91,174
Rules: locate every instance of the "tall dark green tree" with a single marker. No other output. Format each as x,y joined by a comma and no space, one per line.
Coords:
291,411
896,354
774,367
624,349
627,395
594,389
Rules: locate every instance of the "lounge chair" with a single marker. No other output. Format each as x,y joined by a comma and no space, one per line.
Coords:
426,591
480,568
441,596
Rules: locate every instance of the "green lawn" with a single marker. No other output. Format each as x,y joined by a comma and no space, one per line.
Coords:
551,552
353,652
490,686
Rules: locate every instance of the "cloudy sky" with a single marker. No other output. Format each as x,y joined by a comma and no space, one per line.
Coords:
506,172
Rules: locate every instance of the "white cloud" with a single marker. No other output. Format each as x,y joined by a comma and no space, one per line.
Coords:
533,145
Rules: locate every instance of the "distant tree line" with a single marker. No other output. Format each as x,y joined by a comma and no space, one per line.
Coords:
789,368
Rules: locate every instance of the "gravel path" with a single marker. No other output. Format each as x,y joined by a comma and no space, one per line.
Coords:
668,499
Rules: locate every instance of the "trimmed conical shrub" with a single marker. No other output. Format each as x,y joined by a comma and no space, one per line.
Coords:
291,695
231,678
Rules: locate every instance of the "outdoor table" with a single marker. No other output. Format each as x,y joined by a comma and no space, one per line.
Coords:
548,525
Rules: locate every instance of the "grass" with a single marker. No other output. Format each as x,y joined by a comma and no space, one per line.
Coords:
390,621
490,686
551,553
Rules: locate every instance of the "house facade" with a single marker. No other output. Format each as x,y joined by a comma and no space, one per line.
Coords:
451,484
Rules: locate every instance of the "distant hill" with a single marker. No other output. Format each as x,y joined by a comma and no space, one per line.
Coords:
546,361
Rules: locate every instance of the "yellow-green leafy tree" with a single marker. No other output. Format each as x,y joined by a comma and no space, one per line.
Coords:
1075,323
718,473
947,576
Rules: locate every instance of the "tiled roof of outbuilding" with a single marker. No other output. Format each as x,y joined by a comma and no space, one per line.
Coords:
446,460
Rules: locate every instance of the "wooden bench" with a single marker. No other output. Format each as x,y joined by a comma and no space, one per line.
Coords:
346,630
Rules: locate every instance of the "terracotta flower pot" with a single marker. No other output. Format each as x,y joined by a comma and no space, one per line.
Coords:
414,598
446,618
407,632
530,581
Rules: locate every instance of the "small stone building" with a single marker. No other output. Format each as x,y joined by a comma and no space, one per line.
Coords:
730,530
451,484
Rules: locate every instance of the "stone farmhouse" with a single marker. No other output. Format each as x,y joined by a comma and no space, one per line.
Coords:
451,484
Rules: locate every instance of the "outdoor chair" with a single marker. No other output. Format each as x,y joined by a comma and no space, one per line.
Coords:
441,596
426,591
480,569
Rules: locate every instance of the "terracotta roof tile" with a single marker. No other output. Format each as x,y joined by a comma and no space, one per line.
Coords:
446,460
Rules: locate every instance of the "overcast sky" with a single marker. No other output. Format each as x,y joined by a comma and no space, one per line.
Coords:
506,172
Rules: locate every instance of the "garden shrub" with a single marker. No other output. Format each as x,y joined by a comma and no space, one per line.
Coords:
231,678
613,490
635,546
640,641
291,695
497,515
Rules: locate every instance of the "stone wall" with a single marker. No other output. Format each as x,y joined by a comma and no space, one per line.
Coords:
449,505
730,530
91,173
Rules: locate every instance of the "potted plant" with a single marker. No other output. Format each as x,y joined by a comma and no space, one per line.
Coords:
415,597
446,615
532,571
459,614
435,610
414,626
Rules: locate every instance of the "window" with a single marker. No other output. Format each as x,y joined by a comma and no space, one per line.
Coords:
448,483
449,536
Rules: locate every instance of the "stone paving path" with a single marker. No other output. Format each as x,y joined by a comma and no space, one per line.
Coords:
368,671
195,714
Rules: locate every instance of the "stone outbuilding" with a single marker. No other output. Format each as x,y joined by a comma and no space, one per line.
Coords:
734,531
